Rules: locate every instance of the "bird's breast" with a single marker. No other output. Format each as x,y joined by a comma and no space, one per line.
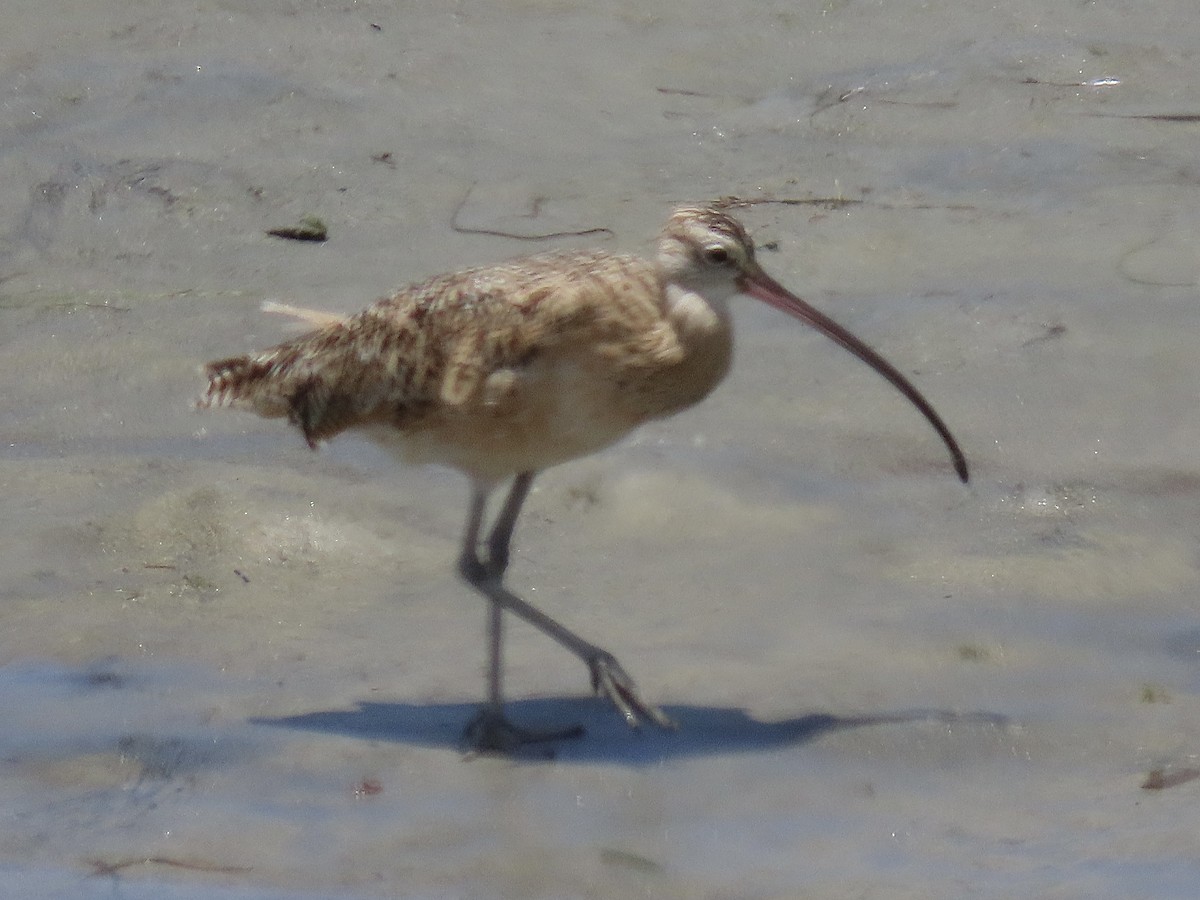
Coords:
558,406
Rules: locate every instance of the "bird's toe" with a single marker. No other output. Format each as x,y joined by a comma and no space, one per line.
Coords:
491,732
610,680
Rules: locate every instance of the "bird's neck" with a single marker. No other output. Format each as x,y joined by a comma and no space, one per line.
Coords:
692,312
704,331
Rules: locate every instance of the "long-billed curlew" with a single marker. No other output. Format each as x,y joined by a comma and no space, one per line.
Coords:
503,370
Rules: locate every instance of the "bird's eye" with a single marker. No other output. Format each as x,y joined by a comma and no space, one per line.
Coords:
718,256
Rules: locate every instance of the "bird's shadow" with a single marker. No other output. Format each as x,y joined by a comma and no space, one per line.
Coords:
702,731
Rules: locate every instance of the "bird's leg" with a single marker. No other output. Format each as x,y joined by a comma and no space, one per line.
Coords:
490,731
608,677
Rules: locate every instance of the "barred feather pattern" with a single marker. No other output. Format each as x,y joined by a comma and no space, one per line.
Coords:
493,370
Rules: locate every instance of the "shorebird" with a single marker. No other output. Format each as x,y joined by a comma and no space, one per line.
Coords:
502,371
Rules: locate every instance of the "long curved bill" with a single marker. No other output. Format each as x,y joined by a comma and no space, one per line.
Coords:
762,286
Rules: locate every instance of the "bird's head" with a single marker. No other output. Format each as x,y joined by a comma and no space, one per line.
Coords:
706,250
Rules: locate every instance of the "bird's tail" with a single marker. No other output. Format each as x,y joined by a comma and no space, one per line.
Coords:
283,382
246,382
279,382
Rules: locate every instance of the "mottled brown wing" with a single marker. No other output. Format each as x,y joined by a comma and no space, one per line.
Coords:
436,347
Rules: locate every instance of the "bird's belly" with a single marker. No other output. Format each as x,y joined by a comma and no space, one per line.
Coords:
520,424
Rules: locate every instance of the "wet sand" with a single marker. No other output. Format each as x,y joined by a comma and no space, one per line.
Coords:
233,668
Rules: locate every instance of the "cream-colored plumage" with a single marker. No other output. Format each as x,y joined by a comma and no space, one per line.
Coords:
502,371
495,370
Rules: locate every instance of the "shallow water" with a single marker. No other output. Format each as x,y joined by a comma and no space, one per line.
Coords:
233,668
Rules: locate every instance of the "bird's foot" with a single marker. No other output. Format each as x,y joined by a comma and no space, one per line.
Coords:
491,732
611,681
